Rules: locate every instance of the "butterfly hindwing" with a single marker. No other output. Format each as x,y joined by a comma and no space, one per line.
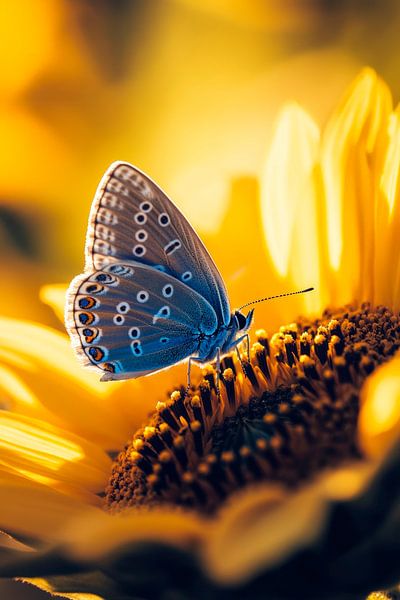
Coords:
133,219
129,319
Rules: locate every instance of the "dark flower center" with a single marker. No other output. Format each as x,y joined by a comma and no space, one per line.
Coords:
285,414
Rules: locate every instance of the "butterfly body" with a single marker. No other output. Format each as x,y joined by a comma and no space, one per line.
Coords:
223,339
150,295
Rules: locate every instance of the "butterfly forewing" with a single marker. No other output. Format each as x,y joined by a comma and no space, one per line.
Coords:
132,219
129,319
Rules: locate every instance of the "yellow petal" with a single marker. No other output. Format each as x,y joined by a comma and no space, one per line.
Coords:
265,525
43,452
15,391
99,534
353,149
348,481
34,510
258,530
7,541
291,207
379,420
387,260
43,361
54,296
47,587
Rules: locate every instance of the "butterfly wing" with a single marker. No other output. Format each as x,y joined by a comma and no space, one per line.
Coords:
129,319
133,219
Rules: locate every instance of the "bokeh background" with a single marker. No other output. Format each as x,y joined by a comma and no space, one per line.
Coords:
187,90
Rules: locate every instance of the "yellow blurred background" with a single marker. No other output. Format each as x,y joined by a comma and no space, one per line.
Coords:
187,90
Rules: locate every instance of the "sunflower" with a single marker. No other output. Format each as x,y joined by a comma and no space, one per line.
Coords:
284,485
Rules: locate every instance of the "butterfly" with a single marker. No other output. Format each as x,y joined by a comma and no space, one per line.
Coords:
150,295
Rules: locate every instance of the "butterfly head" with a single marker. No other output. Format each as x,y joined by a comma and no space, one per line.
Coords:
242,321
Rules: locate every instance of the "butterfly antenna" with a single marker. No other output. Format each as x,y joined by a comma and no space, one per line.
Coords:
310,289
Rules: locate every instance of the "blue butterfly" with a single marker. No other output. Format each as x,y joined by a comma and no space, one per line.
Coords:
151,295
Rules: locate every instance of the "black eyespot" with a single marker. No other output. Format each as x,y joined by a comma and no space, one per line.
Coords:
142,296
140,218
134,333
241,319
136,348
123,307
187,275
163,219
167,290
141,235
139,250
146,207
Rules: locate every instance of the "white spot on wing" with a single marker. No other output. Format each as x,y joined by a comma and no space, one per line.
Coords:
139,250
106,217
141,235
172,246
136,348
187,276
146,206
140,218
111,201
134,333
167,290
163,313
118,320
142,296
103,247
163,219
123,307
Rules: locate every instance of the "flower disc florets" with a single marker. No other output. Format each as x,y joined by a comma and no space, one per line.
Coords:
288,412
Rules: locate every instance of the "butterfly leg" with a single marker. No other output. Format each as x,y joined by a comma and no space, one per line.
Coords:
238,341
191,359
218,369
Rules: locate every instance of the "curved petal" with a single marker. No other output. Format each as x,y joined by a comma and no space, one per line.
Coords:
387,259
61,587
379,420
291,207
265,528
43,362
45,453
258,531
54,296
96,536
36,511
353,149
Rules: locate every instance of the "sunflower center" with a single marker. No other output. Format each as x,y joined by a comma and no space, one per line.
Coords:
286,413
